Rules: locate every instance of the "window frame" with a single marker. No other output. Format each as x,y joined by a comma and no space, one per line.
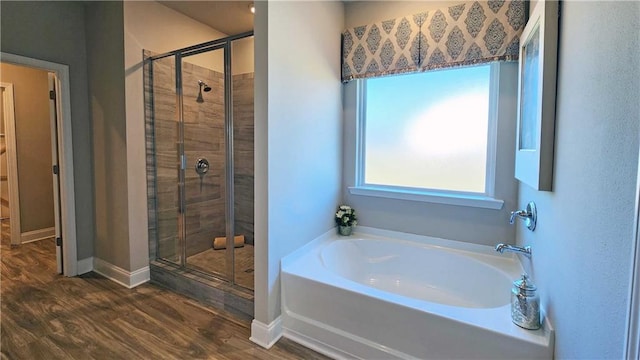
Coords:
484,199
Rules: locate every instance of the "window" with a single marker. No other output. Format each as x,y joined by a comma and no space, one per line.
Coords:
429,136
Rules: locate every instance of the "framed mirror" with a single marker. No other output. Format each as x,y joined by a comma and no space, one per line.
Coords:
537,97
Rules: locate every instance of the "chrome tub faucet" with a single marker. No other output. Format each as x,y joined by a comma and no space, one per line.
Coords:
526,251
529,215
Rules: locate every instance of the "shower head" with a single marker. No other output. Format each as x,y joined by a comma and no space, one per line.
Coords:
207,88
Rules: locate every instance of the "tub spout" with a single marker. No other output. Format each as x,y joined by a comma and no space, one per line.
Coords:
526,251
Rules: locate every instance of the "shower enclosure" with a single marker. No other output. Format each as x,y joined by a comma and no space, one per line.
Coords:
199,122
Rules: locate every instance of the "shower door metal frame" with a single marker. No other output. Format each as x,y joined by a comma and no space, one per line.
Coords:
224,43
228,148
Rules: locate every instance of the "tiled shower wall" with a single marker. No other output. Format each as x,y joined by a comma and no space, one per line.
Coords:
204,137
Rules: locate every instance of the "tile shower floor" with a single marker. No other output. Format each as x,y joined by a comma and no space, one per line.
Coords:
214,261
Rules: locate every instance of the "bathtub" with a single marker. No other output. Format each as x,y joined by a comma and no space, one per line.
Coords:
383,295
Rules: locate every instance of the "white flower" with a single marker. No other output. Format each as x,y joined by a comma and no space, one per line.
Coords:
345,216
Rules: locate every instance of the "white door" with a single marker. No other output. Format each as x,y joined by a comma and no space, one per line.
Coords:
55,171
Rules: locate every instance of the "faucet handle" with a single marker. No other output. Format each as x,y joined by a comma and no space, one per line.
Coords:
530,216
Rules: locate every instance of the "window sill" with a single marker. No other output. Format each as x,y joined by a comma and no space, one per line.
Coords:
469,200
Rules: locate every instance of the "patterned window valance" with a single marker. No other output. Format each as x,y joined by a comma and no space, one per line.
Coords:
468,33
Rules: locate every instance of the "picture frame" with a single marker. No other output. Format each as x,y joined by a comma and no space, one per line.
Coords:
537,97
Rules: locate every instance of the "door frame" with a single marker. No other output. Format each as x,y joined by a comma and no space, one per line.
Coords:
632,343
12,165
65,151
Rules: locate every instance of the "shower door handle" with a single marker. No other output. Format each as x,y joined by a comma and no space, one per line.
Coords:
202,166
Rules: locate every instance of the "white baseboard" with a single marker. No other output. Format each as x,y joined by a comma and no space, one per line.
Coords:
317,346
333,342
120,275
85,265
36,235
266,335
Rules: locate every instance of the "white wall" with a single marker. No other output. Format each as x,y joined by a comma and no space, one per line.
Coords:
365,12
476,225
583,242
242,58
33,140
155,27
298,133
262,258
105,59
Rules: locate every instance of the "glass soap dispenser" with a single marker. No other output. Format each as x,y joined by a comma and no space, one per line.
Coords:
525,304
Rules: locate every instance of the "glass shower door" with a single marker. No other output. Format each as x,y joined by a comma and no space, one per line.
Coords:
205,189
243,169
164,110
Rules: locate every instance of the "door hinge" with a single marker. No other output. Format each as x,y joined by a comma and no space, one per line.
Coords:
58,241
52,94
56,170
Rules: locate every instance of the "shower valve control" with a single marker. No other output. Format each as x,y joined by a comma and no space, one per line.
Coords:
202,166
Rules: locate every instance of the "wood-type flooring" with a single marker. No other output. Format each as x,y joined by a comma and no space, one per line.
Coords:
49,316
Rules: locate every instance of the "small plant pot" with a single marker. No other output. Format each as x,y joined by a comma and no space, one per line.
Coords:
345,230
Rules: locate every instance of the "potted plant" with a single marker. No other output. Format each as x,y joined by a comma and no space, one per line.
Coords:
346,219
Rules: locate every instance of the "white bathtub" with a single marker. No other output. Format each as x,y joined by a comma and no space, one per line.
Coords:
383,295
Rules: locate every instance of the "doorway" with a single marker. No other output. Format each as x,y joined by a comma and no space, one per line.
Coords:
7,161
51,209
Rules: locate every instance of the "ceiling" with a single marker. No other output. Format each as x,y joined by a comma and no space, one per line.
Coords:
229,17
